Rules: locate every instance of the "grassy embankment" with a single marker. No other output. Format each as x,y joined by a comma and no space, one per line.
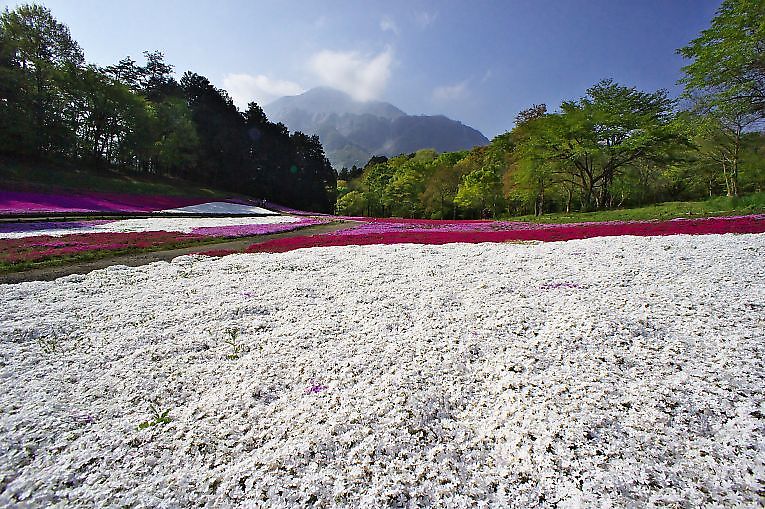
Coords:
714,207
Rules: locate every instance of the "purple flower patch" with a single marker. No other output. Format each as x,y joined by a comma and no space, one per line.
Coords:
21,202
315,389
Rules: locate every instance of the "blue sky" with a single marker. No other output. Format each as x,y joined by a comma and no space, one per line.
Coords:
479,62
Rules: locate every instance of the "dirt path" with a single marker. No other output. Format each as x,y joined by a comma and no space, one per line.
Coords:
136,259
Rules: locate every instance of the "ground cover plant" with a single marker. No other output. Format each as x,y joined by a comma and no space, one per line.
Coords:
24,202
620,371
22,246
211,226
22,253
418,231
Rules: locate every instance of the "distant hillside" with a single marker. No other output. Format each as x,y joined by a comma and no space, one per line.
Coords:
353,131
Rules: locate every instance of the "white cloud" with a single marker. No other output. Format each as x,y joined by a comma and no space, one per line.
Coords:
487,76
450,92
364,77
244,88
424,18
387,24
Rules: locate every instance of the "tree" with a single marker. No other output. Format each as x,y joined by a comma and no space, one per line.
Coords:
351,204
156,78
480,189
376,178
127,71
40,50
591,141
17,131
440,190
529,114
721,131
729,56
177,142
402,194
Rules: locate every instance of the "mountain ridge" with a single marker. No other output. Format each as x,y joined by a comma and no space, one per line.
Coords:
353,131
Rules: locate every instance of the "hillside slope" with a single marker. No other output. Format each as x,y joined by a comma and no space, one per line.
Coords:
48,177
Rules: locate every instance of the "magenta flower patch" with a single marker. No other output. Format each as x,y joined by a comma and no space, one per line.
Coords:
22,202
315,389
418,231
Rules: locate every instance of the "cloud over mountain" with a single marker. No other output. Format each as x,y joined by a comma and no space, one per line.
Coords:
363,77
262,89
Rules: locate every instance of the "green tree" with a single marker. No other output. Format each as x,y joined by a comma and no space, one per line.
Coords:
375,180
352,203
593,140
402,194
17,132
728,58
177,142
42,49
480,189
721,133
441,188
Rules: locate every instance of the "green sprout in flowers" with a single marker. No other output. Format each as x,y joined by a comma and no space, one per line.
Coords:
157,418
236,347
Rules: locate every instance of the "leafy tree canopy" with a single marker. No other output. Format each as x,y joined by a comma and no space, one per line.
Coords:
729,57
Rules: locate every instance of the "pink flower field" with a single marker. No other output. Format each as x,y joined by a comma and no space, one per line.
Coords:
22,202
402,231
35,249
42,247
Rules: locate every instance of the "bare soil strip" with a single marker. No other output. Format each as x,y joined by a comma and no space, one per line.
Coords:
133,260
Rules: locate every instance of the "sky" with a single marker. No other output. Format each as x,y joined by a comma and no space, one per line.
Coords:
479,62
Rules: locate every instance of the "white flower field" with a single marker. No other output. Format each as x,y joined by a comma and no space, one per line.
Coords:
608,372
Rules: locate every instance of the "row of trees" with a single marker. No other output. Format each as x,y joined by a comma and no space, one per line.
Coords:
139,118
616,146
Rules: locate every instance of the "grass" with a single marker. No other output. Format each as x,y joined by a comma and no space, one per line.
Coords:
719,206
42,177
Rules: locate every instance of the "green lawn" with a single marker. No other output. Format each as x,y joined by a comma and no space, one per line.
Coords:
720,206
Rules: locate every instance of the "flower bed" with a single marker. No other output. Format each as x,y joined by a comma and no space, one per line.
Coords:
245,230
30,246
35,249
209,226
612,372
447,232
22,202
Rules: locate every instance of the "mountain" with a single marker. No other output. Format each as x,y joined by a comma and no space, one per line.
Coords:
353,131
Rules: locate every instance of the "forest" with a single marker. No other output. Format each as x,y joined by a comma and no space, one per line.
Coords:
136,117
614,147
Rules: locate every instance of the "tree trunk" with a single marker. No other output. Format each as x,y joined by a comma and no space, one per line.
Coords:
568,200
542,201
727,179
734,170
